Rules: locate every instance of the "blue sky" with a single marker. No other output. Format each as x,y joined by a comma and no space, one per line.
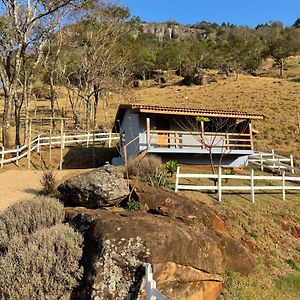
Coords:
240,12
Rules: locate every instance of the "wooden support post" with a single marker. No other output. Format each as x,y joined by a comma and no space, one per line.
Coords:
61,144
292,163
18,154
219,184
251,136
38,144
109,140
175,139
148,132
252,186
50,149
261,162
202,134
283,185
2,157
227,141
177,179
125,155
29,147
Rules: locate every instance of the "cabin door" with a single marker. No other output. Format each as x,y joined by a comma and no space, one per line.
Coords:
163,127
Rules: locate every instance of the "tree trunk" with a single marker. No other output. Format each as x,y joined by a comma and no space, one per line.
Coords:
88,114
52,101
6,134
96,102
18,127
281,67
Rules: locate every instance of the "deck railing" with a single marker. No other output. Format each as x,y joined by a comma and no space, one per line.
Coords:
204,140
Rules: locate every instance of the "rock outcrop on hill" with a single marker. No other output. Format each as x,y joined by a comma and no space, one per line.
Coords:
165,32
98,188
185,241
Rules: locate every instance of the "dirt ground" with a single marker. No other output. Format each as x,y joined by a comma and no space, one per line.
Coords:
17,185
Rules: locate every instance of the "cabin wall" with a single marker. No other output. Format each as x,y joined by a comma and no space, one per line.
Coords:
130,126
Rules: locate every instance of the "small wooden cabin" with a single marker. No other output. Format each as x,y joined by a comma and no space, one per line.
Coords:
187,135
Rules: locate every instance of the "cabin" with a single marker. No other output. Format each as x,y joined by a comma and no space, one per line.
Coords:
187,135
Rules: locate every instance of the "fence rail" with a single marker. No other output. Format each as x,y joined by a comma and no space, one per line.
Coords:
251,178
14,155
273,162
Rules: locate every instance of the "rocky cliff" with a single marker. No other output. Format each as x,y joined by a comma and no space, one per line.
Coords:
165,32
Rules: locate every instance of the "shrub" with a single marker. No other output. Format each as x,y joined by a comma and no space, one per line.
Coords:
159,178
44,265
133,205
171,166
27,217
144,169
48,182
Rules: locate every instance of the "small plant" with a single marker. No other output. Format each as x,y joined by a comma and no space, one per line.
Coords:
292,263
48,183
171,166
133,205
228,172
159,179
254,234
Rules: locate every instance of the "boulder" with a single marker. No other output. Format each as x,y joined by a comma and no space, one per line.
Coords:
173,233
98,188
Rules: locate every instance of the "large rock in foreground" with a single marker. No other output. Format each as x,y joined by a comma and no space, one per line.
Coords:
99,188
185,241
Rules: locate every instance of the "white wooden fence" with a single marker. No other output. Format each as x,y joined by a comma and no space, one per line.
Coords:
273,162
251,178
151,292
14,155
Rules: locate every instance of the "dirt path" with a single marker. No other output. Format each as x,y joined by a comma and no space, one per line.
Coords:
16,185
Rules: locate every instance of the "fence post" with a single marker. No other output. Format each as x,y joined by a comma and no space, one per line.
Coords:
219,184
50,149
38,144
292,163
278,161
283,185
177,179
2,157
88,140
61,144
18,154
261,162
273,157
149,282
252,186
29,147
109,140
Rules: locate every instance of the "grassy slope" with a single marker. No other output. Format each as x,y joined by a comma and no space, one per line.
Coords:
277,99
265,229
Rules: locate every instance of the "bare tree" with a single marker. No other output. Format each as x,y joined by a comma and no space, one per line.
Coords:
221,135
24,28
97,64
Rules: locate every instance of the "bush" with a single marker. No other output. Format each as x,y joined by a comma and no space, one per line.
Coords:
44,265
48,182
27,217
144,169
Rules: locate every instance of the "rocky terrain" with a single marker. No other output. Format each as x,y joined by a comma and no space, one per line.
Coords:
186,241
